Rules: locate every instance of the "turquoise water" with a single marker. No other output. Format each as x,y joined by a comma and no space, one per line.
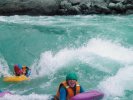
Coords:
98,48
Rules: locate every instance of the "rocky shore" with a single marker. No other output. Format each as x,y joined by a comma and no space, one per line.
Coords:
65,7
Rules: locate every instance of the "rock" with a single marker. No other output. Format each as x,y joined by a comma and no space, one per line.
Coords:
65,5
129,1
100,6
129,12
62,11
129,6
85,6
117,6
48,7
75,2
116,1
74,10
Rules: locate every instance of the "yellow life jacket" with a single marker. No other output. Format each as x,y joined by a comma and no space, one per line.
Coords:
69,90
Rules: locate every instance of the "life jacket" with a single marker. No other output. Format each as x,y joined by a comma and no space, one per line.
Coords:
26,71
70,92
17,70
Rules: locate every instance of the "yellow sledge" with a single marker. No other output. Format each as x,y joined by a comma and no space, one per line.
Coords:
15,78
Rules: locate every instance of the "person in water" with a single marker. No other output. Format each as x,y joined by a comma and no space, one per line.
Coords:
68,88
26,71
21,70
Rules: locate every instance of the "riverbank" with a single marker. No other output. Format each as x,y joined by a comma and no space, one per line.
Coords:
65,7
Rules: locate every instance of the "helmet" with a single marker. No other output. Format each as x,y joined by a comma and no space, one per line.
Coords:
18,65
71,76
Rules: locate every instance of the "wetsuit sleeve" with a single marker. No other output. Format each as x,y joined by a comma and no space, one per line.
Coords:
62,93
28,72
81,89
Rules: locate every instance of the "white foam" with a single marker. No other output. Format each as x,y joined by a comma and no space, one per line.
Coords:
111,50
90,54
41,20
49,62
116,85
32,96
4,69
48,20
